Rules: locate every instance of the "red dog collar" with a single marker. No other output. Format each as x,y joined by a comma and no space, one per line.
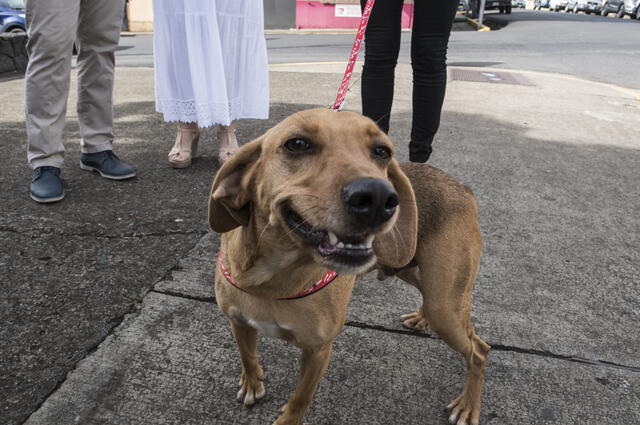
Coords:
326,280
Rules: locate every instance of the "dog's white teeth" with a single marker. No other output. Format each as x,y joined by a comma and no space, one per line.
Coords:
368,243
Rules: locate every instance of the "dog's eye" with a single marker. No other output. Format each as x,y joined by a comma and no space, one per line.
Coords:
297,146
382,152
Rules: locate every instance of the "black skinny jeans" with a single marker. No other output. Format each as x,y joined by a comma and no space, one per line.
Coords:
432,20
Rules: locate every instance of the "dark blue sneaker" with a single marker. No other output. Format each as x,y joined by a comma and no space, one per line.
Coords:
46,185
107,164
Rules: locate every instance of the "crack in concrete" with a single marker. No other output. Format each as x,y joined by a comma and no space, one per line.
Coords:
574,359
427,335
211,300
505,348
114,324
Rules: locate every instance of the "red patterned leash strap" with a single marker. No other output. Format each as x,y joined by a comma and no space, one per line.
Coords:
326,280
226,273
344,86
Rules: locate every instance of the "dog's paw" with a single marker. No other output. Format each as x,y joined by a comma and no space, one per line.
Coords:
251,388
462,412
288,417
285,421
415,321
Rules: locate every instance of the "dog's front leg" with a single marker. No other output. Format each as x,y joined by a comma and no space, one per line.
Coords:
313,364
251,386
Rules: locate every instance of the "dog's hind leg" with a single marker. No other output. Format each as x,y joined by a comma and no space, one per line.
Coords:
448,263
313,364
465,409
251,386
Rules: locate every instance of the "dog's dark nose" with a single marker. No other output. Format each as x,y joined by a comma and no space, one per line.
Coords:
370,201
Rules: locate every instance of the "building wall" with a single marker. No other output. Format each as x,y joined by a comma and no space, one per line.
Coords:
140,15
339,13
279,14
282,14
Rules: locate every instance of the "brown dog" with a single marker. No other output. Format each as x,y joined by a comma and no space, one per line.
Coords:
321,191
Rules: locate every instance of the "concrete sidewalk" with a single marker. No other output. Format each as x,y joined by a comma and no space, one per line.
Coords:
114,284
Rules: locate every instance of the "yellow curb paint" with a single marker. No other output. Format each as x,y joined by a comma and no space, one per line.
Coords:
474,23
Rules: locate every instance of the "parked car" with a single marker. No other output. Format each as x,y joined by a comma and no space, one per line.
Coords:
557,5
612,6
539,4
586,6
503,6
12,18
631,8
521,4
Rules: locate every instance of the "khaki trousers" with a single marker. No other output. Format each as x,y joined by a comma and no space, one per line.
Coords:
53,26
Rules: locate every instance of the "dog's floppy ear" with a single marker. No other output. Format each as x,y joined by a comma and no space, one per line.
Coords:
230,197
397,247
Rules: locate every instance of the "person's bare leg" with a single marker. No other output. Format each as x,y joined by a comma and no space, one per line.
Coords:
186,145
228,143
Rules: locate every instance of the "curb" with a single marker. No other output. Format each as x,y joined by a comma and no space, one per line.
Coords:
474,23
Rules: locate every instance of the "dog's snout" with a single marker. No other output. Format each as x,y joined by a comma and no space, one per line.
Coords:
370,201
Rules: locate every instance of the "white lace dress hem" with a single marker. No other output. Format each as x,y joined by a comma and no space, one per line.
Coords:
210,61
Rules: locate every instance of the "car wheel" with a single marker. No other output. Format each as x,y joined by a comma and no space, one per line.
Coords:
16,30
507,10
620,14
501,9
605,10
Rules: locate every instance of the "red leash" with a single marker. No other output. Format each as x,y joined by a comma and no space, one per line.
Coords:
344,86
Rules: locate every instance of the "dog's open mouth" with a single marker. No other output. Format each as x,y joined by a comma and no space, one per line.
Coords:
347,250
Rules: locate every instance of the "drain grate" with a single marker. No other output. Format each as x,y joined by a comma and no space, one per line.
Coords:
488,77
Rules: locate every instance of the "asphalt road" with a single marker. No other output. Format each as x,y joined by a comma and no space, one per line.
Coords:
592,47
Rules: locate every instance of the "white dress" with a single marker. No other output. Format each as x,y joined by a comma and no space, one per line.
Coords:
210,60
